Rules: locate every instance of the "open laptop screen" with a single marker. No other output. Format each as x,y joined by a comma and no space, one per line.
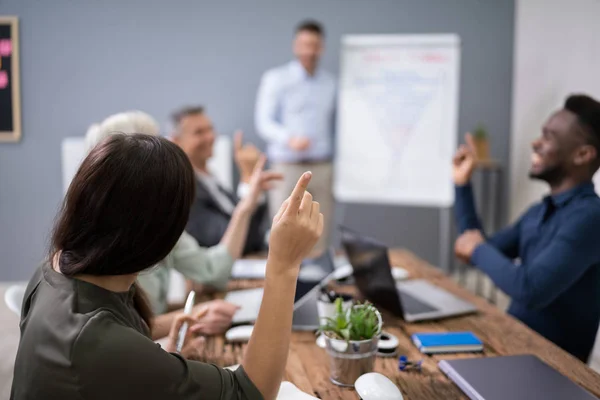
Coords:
320,267
303,287
372,271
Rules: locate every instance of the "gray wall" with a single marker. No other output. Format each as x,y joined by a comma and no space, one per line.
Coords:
82,60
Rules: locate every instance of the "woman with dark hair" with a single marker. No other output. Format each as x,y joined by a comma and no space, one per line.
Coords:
204,267
85,327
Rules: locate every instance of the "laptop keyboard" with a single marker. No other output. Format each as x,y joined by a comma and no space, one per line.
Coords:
413,306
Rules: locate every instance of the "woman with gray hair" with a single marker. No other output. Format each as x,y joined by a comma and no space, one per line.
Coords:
207,266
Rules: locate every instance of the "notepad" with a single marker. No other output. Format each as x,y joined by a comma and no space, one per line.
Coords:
520,377
447,342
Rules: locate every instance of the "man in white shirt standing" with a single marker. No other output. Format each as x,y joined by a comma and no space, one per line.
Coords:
295,112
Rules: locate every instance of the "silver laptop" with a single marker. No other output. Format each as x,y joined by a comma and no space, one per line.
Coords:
413,300
313,274
522,377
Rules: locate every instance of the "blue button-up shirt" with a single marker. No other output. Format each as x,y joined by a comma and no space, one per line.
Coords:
555,288
291,102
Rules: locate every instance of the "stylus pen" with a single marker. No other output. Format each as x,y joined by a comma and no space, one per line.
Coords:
189,305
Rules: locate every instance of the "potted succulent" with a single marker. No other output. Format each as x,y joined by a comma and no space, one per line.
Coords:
351,338
482,144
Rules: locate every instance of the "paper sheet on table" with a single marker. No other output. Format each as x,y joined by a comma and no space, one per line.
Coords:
287,390
249,269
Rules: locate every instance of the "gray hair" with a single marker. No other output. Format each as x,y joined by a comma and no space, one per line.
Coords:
129,123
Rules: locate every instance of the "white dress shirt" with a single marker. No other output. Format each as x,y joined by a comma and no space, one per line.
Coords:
291,102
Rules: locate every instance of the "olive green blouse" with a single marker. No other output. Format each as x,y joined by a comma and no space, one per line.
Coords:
79,341
210,266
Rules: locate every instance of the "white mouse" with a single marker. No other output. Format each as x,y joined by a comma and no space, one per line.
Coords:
375,386
399,273
240,333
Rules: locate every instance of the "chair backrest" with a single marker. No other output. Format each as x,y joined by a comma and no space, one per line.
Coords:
221,165
13,297
73,153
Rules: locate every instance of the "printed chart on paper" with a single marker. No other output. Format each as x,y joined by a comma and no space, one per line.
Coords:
397,119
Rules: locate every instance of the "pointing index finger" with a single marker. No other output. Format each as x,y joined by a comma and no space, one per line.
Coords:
471,143
260,164
298,193
238,139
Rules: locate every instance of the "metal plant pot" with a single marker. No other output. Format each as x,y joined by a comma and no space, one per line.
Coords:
349,360
353,358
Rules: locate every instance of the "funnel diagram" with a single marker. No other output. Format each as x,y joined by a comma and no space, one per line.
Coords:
397,99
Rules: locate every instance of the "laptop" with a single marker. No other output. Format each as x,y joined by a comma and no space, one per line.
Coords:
314,273
413,300
521,377
257,268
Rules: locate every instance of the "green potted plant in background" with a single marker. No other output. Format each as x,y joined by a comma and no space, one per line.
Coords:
351,338
482,143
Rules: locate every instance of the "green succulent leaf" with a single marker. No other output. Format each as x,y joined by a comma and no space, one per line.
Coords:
359,323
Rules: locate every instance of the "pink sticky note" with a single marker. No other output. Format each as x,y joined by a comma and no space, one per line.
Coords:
3,79
5,47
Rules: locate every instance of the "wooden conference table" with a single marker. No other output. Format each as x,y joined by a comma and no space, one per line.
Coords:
308,365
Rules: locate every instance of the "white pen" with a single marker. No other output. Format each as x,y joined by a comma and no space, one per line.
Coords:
189,306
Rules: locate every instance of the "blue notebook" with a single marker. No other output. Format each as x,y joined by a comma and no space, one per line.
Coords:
447,342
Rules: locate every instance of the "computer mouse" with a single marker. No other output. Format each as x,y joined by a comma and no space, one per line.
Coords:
375,386
399,273
240,333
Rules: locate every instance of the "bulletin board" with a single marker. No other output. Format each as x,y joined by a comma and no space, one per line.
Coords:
10,90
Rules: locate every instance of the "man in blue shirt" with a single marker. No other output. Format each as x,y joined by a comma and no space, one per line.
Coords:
295,115
548,262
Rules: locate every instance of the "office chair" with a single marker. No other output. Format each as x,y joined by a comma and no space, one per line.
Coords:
14,298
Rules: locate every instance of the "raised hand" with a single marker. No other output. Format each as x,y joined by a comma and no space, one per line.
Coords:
246,156
259,180
296,227
464,162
